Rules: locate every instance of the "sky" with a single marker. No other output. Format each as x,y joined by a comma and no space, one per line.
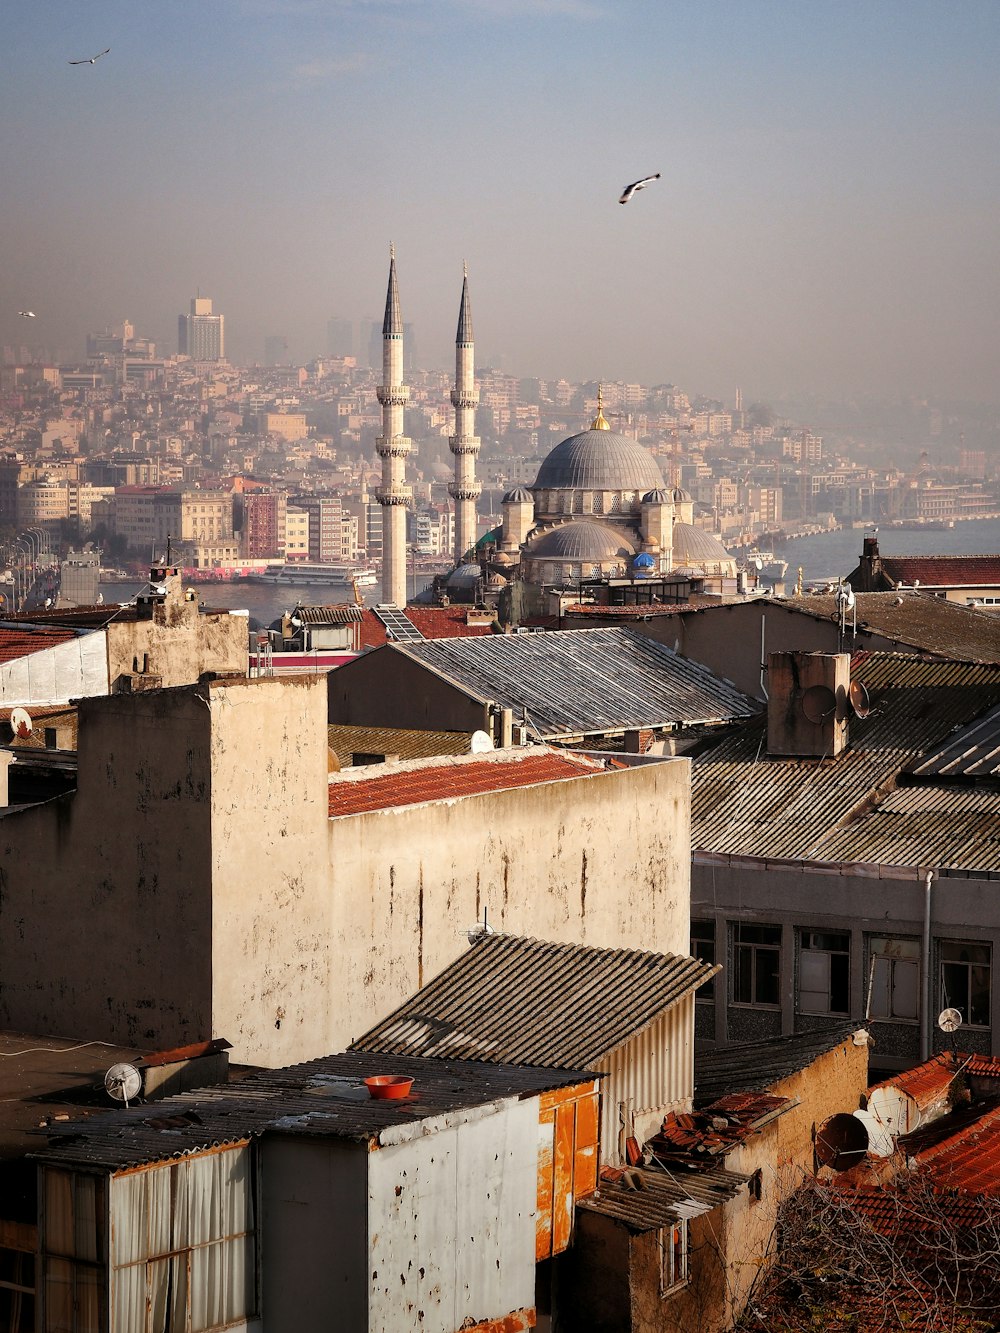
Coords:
827,219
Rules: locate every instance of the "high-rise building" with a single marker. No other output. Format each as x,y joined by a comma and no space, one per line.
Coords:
200,334
339,337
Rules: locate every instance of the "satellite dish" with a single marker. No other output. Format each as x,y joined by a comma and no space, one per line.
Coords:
841,1141
880,1140
860,699
950,1020
123,1082
480,742
819,703
757,563
20,722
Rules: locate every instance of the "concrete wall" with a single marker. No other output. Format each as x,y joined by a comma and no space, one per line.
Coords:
55,675
598,860
313,1234
181,644
105,894
386,688
864,901
194,885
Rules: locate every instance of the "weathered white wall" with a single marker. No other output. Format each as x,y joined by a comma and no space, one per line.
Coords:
599,860
70,670
451,1223
181,644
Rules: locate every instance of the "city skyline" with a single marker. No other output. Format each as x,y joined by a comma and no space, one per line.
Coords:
825,222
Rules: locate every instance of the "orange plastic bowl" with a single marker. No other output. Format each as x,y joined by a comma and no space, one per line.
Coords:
388,1086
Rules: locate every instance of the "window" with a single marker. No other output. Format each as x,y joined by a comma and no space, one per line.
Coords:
17,1291
703,948
824,972
965,981
893,978
756,964
71,1275
755,1186
673,1256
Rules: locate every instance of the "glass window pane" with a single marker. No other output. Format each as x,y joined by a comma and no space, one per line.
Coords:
840,983
158,1288
88,1318
207,1286
814,982
58,1212
743,976
903,1003
979,1002
767,976
86,1217
59,1296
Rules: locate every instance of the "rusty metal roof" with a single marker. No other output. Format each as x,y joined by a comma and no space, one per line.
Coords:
532,1002
661,1199
407,744
747,802
584,682
342,614
321,1098
759,1065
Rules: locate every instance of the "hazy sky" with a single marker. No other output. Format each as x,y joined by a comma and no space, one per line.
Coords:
828,219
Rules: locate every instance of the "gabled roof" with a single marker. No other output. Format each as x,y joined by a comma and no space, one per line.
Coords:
747,802
525,1001
943,571
931,624
649,1200
364,789
584,682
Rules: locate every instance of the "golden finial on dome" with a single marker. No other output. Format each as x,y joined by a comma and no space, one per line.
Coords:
599,422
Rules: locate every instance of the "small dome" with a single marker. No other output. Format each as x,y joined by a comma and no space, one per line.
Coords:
598,460
496,581
464,576
581,541
644,561
659,497
680,496
694,547
520,495
502,558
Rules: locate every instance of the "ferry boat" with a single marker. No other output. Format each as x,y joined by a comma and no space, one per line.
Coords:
339,576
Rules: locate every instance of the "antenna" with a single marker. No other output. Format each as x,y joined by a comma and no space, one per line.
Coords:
20,722
480,929
123,1082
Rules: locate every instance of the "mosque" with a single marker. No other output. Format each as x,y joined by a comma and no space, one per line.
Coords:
599,507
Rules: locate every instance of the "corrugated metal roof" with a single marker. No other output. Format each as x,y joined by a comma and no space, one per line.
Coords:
747,802
946,827
757,1066
532,1002
360,790
407,744
584,682
972,752
345,614
322,1098
662,1199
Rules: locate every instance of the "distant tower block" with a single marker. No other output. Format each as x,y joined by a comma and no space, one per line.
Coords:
393,446
464,444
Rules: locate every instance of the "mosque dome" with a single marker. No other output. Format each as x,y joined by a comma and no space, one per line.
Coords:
598,460
593,542
659,497
695,548
496,580
503,558
518,496
680,496
464,576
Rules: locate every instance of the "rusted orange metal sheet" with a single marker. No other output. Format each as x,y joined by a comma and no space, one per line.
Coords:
515,1322
562,1188
543,1215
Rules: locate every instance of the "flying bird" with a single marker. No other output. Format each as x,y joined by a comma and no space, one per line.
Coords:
90,60
630,190
27,314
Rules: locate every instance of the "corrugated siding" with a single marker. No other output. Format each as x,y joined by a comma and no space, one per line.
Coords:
567,1163
653,1073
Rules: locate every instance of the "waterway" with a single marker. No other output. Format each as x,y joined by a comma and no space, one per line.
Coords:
824,555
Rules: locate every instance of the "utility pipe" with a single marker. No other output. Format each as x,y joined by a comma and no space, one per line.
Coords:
925,1006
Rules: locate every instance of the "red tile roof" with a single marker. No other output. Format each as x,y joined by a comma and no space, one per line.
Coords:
967,1158
943,571
433,622
16,643
714,1129
419,781
925,1083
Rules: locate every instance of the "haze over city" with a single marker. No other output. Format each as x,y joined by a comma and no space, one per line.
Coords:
826,221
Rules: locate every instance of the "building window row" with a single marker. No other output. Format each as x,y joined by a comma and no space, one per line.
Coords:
823,972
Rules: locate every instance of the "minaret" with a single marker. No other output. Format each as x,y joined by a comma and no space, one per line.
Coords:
465,490
392,447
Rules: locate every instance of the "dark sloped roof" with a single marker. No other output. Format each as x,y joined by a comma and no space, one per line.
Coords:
747,802
943,571
324,1097
662,1198
971,752
407,744
342,614
584,682
929,623
758,1065
531,1002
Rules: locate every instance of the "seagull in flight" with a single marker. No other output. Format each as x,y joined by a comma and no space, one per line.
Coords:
27,314
630,190
90,60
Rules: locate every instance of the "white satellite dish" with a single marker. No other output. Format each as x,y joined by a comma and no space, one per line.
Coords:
880,1140
480,742
123,1082
20,722
950,1020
